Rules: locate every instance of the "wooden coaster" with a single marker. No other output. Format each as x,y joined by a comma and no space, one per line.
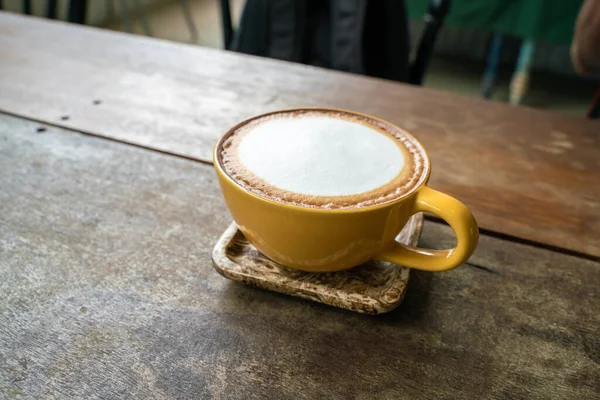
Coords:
374,287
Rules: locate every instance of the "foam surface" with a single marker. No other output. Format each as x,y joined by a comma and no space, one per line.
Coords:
323,158
320,155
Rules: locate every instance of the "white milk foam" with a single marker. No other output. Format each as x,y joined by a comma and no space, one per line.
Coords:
323,159
320,155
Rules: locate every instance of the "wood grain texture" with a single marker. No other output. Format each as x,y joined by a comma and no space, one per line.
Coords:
525,173
374,287
107,291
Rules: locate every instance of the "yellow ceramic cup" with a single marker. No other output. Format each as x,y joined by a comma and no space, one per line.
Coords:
316,239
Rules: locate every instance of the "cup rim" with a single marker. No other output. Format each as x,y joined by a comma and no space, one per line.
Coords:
221,171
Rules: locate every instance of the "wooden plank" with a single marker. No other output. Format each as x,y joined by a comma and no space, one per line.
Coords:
525,173
107,291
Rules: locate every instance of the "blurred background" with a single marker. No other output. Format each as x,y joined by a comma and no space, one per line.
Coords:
508,50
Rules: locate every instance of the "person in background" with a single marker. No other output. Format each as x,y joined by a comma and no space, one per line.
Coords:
359,36
585,49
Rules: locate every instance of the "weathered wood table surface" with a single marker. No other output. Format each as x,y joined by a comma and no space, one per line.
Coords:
109,209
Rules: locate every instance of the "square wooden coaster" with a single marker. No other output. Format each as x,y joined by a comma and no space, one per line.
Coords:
374,287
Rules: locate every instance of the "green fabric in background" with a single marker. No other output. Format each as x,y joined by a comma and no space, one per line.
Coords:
550,21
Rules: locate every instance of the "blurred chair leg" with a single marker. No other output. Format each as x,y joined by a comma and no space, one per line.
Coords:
491,68
110,10
126,23
51,7
189,20
434,19
77,11
594,110
141,14
27,7
226,24
520,80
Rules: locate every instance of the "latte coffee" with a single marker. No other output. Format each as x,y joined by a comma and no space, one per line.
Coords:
323,158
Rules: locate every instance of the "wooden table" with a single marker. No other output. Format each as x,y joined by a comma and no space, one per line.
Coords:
109,209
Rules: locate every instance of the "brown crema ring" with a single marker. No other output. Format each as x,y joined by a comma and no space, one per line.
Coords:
415,168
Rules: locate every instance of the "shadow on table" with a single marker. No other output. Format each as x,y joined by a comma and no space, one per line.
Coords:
416,300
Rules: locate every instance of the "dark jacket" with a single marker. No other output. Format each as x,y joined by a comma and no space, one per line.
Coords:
361,36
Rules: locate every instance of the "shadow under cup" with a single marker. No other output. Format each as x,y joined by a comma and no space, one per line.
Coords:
322,239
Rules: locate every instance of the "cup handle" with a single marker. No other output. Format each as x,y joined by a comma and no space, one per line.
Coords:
460,219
